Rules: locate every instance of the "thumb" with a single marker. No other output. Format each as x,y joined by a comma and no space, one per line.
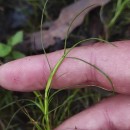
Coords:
103,116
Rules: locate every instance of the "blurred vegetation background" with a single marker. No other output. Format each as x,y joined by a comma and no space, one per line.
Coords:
18,18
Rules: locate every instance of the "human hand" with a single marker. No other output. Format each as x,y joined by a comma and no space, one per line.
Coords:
31,73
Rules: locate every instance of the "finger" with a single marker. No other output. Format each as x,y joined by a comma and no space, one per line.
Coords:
31,73
110,114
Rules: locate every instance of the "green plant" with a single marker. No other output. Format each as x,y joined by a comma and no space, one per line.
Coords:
114,16
43,101
43,104
120,6
8,49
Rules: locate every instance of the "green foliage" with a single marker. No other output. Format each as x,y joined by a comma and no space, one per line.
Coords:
7,49
15,39
17,54
4,50
120,6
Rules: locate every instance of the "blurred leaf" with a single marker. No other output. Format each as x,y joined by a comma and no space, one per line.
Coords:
4,50
16,39
17,55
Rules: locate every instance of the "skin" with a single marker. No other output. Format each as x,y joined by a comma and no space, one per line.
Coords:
31,73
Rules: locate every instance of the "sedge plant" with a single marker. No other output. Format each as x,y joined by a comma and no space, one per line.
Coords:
42,103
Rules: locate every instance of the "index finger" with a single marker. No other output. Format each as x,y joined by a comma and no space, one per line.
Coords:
31,73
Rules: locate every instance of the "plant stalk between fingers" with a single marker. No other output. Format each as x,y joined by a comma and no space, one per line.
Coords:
46,100
53,72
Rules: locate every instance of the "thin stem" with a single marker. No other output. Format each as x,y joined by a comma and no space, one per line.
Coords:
42,34
65,44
